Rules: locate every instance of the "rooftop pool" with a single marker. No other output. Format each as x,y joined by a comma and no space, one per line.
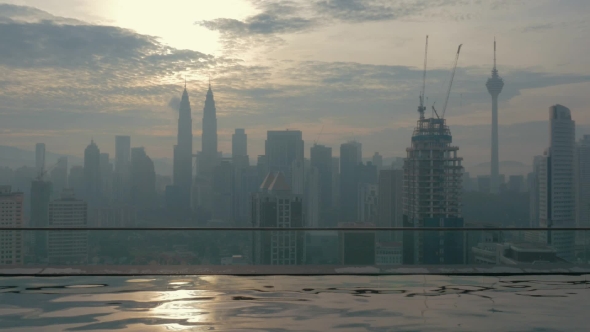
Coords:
295,303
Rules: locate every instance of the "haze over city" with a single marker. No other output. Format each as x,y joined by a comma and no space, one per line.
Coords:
76,70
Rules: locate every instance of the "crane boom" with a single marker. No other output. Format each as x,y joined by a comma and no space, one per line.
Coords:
421,108
451,82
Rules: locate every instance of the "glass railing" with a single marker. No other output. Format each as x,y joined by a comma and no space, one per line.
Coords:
169,250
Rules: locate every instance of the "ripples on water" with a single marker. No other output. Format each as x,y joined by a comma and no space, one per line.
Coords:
283,303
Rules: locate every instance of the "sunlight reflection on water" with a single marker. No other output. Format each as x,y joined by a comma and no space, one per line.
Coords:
284,303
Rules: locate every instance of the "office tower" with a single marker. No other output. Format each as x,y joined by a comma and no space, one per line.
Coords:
367,173
239,143
335,182
92,178
391,186
224,192
284,151
350,157
59,175
432,195
367,202
182,178
557,201
106,176
67,247
378,161
208,156
40,197
313,198
143,179
40,159
76,180
11,215
321,159
276,206
495,85
121,176
583,182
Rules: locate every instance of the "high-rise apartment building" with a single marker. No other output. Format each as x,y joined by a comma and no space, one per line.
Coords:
276,206
11,215
106,177
432,195
67,247
76,181
92,176
284,153
182,177
557,199
121,175
534,183
40,196
495,85
239,143
321,159
378,161
583,182
143,179
350,158
224,208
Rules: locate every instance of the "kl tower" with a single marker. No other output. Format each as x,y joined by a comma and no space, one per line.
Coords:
495,85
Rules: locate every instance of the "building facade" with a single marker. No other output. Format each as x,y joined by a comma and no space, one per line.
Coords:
67,247
557,198
182,175
11,215
276,206
432,195
350,158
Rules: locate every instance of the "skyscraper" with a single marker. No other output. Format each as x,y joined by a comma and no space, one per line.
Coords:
40,158
239,143
182,178
534,192
68,247
208,156
40,196
557,202
224,192
350,158
143,179
495,85
583,182
11,215
121,176
92,178
321,158
432,195
76,180
106,177
276,206
284,152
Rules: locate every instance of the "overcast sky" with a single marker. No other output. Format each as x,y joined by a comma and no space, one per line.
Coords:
72,70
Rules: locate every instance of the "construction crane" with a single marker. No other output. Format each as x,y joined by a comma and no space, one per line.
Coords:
44,171
451,82
319,135
421,108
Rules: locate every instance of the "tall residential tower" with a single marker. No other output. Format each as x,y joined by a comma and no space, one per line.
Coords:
495,85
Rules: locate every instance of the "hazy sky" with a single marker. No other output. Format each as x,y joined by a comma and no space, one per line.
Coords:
72,70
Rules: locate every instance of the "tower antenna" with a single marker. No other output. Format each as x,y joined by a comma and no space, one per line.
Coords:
422,108
494,52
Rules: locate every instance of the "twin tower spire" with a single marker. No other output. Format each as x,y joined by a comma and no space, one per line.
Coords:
183,150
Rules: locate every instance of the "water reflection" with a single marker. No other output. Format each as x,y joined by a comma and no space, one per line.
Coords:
283,303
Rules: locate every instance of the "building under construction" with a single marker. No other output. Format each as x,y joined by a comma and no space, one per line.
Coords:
432,192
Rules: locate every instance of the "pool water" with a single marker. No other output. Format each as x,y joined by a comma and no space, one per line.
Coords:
286,303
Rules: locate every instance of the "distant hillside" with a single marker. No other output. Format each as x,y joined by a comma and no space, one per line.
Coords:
14,157
507,167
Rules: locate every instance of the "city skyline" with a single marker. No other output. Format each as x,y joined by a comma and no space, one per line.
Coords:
289,89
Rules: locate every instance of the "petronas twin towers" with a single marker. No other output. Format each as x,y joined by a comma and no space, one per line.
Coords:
183,150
